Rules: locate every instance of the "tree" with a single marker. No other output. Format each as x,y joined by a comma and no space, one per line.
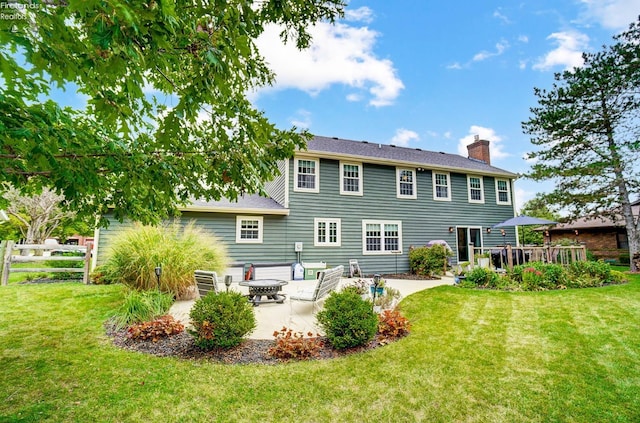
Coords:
167,118
537,207
587,128
39,216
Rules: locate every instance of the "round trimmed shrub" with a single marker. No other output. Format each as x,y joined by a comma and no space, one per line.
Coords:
348,320
221,320
179,250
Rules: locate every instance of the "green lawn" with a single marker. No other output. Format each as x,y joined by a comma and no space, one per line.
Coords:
473,356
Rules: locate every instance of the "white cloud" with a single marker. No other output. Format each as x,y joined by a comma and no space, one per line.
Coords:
361,14
495,142
302,119
339,54
612,14
568,53
447,135
455,66
354,97
484,55
500,16
403,137
523,39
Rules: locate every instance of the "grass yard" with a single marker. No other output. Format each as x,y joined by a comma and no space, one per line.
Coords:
473,356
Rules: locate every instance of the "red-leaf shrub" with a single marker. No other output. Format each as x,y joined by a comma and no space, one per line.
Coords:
290,344
160,328
392,324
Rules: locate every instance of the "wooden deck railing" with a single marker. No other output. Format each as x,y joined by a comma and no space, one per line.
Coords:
6,254
508,256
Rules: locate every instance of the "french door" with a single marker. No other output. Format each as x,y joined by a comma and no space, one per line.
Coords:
466,236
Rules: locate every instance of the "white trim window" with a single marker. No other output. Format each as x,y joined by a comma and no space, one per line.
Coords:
381,237
306,175
503,192
441,186
249,229
406,186
475,188
350,178
326,232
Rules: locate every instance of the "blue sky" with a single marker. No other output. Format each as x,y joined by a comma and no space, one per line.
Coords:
431,75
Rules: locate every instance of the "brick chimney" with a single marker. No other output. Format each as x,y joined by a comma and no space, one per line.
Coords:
479,150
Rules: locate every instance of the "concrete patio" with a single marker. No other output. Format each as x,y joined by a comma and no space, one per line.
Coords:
298,315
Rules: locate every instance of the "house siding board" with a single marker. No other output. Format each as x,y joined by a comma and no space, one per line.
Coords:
423,219
277,187
274,247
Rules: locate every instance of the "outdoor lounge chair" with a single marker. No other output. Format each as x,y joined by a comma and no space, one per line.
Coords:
206,281
328,281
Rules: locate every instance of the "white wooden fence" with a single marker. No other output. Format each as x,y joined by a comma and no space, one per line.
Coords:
6,252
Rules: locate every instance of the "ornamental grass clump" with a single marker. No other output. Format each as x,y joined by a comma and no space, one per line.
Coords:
142,306
221,320
179,251
348,320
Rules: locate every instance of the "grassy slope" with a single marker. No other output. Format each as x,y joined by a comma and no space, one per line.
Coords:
472,356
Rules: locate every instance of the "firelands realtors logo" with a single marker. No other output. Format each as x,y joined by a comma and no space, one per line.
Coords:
14,11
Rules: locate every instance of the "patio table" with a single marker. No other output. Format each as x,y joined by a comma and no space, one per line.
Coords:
269,288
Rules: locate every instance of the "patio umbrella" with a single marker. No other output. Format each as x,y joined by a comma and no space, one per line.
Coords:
523,220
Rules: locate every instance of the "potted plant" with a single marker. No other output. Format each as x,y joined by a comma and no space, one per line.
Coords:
483,260
461,271
377,289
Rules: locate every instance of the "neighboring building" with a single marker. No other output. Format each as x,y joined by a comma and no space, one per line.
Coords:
605,237
361,200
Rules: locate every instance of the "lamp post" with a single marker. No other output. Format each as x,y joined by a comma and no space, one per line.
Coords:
227,281
376,283
158,271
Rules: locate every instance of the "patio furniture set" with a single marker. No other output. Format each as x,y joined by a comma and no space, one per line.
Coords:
271,289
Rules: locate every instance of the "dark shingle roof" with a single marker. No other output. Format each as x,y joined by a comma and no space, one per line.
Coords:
246,203
369,151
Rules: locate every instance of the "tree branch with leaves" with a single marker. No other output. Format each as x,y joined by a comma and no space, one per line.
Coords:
167,117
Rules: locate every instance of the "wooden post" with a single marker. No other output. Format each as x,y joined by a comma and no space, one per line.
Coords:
472,251
510,256
3,247
87,263
6,261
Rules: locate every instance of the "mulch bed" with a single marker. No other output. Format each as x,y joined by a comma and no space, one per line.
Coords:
250,351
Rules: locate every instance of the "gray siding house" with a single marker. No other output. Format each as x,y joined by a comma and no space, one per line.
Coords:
341,200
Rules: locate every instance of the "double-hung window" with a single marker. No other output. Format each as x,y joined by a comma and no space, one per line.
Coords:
406,183
249,229
306,175
475,187
326,232
503,191
350,178
381,237
441,186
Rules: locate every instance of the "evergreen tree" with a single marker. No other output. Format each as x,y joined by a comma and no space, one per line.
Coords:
586,128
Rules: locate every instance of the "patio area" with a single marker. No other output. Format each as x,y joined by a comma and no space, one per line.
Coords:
298,315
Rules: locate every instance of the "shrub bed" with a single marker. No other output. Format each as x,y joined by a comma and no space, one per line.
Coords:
543,276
